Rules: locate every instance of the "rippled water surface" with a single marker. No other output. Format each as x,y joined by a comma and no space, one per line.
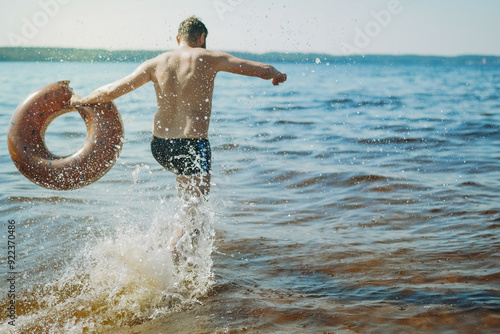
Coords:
351,199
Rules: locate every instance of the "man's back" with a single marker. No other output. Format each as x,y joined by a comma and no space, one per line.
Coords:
184,84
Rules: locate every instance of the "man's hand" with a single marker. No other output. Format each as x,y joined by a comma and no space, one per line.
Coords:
281,77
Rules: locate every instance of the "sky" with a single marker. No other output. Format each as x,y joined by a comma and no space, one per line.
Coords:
337,27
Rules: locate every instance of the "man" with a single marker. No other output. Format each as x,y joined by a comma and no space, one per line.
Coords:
184,84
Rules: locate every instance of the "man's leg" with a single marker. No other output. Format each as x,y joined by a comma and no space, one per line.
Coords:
189,187
193,186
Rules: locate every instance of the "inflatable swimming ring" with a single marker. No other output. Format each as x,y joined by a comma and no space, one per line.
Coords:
26,139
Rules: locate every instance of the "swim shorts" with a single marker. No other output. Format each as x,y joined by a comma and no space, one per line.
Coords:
183,156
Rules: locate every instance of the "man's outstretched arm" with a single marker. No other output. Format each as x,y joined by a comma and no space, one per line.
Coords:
116,89
229,63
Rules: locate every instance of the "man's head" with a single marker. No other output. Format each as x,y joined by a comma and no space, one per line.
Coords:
191,30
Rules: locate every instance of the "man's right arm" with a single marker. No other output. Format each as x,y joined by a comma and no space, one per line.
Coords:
118,88
228,63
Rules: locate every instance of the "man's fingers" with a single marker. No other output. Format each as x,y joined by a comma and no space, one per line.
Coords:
75,100
279,79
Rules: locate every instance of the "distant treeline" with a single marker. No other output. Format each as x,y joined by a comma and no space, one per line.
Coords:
34,54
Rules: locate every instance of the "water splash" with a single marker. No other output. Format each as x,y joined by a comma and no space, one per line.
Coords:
136,172
128,276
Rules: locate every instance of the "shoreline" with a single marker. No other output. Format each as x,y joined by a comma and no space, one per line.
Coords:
39,54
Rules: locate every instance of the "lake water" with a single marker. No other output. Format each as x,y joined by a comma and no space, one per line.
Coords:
354,198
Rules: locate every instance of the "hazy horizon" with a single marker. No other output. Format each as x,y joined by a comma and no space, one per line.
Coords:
342,27
261,53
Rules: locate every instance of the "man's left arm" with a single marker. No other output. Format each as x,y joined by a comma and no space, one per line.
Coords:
229,63
116,89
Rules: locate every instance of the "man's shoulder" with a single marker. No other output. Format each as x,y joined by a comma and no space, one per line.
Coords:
162,56
216,58
217,54
201,52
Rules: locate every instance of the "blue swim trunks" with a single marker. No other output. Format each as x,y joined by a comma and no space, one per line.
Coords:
183,156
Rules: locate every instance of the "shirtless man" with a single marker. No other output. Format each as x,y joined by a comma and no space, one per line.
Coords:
184,84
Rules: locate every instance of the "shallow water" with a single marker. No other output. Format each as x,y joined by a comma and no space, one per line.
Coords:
351,199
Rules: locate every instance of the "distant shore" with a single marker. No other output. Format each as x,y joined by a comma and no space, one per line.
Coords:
34,54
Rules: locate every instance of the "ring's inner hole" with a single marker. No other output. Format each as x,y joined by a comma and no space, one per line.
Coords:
66,134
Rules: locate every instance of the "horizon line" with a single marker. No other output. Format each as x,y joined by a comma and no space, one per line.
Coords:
265,52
